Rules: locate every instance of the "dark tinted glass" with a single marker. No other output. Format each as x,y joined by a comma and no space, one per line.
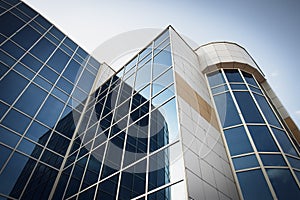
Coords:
233,75
249,79
5,152
245,162
248,107
16,121
108,188
9,138
58,60
12,49
272,160
10,24
31,99
284,142
50,111
266,109
262,138
72,71
228,114
254,185
31,62
237,141
43,49
29,33
284,184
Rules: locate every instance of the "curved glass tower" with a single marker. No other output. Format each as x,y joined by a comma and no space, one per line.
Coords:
264,157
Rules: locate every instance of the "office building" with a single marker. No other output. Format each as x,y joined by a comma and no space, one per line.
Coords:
172,123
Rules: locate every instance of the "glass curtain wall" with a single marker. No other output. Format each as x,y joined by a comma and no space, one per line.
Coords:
265,160
127,143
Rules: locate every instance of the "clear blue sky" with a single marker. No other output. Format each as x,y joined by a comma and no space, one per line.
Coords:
268,29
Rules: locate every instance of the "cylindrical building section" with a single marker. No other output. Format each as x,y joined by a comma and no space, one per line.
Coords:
264,154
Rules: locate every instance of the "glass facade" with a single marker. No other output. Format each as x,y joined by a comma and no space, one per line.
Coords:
44,81
265,159
125,145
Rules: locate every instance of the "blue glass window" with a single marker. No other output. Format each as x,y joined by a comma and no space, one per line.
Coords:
266,109
108,189
29,33
262,138
249,79
3,109
228,114
50,111
284,184
43,49
58,60
272,160
12,49
5,152
31,99
237,140
11,86
284,142
294,162
8,137
3,68
30,148
6,59
64,85
238,87
233,75
219,89
10,24
24,70
37,131
162,37
27,10
163,96
42,21
254,185
31,62
73,71
248,107
133,181
245,162
16,121
13,173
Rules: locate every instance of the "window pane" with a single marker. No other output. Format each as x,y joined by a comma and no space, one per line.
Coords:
245,162
58,60
72,71
163,96
233,75
86,81
143,76
108,189
10,24
248,107
266,109
272,160
31,100
228,114
284,142
29,33
43,49
283,183
11,86
9,138
5,152
31,62
164,127
262,138
50,111
254,185
133,181
219,89
238,87
249,79
237,140
162,61
294,162
13,173
215,78
162,82
12,49
16,121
